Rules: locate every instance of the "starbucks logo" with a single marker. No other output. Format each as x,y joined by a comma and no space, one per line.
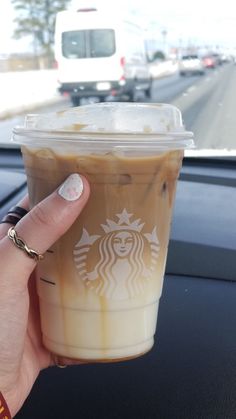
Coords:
119,263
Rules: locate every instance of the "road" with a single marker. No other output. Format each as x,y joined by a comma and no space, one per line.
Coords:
208,108
207,104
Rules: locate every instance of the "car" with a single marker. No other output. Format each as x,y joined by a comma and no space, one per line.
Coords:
162,68
209,61
100,55
190,65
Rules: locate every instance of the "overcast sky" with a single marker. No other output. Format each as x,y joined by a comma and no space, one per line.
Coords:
201,21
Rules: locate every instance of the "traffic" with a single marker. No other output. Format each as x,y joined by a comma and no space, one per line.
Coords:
206,102
142,234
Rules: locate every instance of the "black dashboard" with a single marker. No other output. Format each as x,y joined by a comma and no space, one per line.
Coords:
191,371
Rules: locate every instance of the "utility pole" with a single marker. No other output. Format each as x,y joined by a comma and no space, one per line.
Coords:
164,36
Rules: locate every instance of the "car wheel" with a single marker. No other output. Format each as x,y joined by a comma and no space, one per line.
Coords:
131,96
75,100
148,92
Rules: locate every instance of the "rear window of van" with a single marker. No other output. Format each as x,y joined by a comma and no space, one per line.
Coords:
190,57
93,43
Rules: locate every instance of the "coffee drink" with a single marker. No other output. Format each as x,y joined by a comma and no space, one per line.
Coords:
99,286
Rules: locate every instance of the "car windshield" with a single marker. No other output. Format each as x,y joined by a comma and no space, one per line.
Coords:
134,51
115,222
189,57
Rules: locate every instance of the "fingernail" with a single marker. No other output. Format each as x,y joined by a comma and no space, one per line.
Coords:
72,188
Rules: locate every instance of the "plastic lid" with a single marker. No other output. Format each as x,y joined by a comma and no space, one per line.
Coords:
138,123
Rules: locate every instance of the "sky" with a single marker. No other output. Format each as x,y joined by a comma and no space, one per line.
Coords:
201,22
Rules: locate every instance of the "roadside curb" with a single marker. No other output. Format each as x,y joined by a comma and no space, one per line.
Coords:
20,110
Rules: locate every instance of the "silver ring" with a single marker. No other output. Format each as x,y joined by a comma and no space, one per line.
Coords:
19,242
56,360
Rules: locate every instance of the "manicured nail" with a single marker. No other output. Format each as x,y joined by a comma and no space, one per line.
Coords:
72,188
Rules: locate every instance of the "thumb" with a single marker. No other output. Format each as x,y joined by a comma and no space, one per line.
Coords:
43,226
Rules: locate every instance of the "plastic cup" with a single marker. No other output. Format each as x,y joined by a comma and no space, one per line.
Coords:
99,285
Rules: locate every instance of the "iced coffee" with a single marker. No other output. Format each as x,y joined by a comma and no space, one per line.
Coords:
99,286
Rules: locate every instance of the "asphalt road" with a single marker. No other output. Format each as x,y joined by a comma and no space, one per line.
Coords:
207,104
208,108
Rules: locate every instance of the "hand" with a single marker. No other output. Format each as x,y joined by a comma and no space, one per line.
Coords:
22,354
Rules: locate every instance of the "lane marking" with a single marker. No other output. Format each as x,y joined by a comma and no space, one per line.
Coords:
191,88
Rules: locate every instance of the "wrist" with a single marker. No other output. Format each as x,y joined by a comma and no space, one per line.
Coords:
4,409
12,401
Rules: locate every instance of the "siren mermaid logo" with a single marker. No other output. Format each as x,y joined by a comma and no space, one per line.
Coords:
113,264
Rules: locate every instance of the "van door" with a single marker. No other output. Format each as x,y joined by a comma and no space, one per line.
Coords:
89,56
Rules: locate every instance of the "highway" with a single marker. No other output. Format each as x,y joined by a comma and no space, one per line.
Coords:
207,103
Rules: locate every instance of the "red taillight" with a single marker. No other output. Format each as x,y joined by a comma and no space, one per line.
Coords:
122,77
122,62
208,61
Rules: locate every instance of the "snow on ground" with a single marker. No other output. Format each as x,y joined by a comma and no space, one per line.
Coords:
21,91
24,90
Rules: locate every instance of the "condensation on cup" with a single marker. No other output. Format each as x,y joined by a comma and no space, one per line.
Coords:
99,285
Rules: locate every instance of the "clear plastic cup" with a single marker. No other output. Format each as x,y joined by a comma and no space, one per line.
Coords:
99,285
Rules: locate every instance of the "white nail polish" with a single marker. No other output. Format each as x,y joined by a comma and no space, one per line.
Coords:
72,188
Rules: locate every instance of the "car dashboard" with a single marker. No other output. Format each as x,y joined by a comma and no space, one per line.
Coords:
190,372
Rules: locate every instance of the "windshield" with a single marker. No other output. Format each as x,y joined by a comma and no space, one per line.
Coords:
135,50
88,43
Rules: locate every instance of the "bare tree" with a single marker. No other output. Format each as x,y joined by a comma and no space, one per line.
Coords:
37,18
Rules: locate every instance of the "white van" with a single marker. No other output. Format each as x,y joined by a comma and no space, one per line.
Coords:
100,55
